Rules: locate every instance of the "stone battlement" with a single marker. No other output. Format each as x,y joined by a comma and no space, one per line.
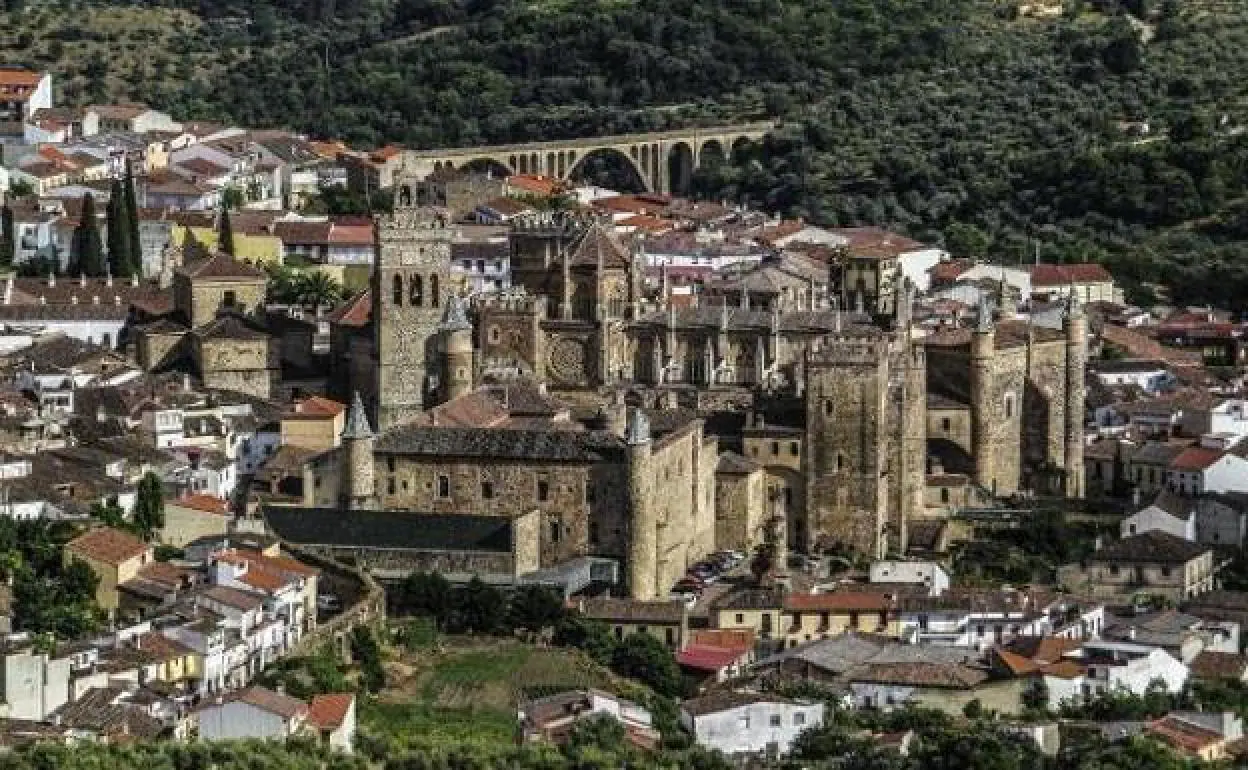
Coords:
511,301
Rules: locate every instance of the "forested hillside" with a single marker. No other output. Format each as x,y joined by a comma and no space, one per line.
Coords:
1110,133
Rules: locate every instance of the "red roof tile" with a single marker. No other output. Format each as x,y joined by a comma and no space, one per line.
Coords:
1064,275
205,503
107,545
838,601
708,658
356,311
1196,459
328,711
318,407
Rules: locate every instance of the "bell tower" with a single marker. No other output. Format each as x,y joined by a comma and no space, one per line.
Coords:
410,287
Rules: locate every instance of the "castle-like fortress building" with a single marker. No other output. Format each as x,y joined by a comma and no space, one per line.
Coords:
577,404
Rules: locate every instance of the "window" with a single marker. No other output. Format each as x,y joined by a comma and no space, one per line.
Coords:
1113,569
740,618
396,291
669,634
543,490
229,298
775,447
979,630
434,298
494,334
1165,572
827,407
853,620
487,490
774,720
390,486
444,486
944,494
1009,405
793,450
619,632
416,291
840,462
946,424
799,718
390,464
555,530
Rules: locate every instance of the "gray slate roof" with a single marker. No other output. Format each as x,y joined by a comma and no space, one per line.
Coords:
502,443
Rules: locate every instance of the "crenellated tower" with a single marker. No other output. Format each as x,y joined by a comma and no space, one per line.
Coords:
1075,326
410,285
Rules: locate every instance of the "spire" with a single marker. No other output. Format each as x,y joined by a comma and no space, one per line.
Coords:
637,428
455,317
357,421
984,324
1074,309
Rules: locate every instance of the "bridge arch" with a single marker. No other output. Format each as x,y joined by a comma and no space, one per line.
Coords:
491,165
642,181
681,162
712,152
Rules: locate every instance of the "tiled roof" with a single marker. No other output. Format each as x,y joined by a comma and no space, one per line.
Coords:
633,610
205,503
1196,459
723,701
598,245
355,311
220,265
300,232
837,601
328,711
1183,735
705,657
1064,275
318,407
478,409
231,327
1154,547
568,446
107,545
12,76
233,597
876,243
919,674
202,166
390,530
1218,665
733,463
724,638
274,702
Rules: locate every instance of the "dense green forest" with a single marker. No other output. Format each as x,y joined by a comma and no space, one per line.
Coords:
1110,133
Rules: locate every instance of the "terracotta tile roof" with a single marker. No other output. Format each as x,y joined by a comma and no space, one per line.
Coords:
278,563
1017,664
274,702
479,409
876,243
355,311
160,646
838,601
535,184
300,232
351,234
118,111
328,711
633,611
1065,669
233,597
920,674
648,223
727,699
1064,275
1184,735
107,545
708,658
948,272
1218,665
1196,459
10,77
220,265
165,574
205,503
263,580
725,638
202,166
1154,547
317,407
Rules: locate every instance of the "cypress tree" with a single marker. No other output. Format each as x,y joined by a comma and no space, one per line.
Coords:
8,246
88,249
118,233
134,258
225,233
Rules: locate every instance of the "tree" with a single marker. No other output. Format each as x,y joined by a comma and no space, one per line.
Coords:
763,561
111,513
149,505
118,230
8,237
427,594
134,260
367,652
318,289
646,659
225,232
21,189
88,255
591,636
478,607
535,608
966,241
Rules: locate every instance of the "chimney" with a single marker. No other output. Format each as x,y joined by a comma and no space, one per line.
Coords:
52,279
186,383
108,279
134,279
82,279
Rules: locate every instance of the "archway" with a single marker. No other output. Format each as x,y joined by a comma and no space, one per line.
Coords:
608,167
488,166
680,168
711,155
741,146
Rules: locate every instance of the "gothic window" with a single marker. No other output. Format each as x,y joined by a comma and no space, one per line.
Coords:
487,490
555,530
434,297
827,407
444,486
416,294
397,290
1009,405
840,462
543,490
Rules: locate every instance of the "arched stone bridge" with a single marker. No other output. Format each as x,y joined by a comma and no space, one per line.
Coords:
654,157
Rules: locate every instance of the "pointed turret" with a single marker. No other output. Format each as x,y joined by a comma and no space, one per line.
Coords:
357,426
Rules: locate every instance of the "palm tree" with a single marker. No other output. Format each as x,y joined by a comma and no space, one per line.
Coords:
317,289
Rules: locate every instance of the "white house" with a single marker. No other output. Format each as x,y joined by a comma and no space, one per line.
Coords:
333,716
1200,470
1150,376
255,712
927,573
748,723
1106,666
35,684
1228,417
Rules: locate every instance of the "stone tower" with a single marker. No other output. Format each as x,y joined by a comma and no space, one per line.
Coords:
908,413
983,348
358,487
847,425
410,285
1075,325
643,529
457,368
